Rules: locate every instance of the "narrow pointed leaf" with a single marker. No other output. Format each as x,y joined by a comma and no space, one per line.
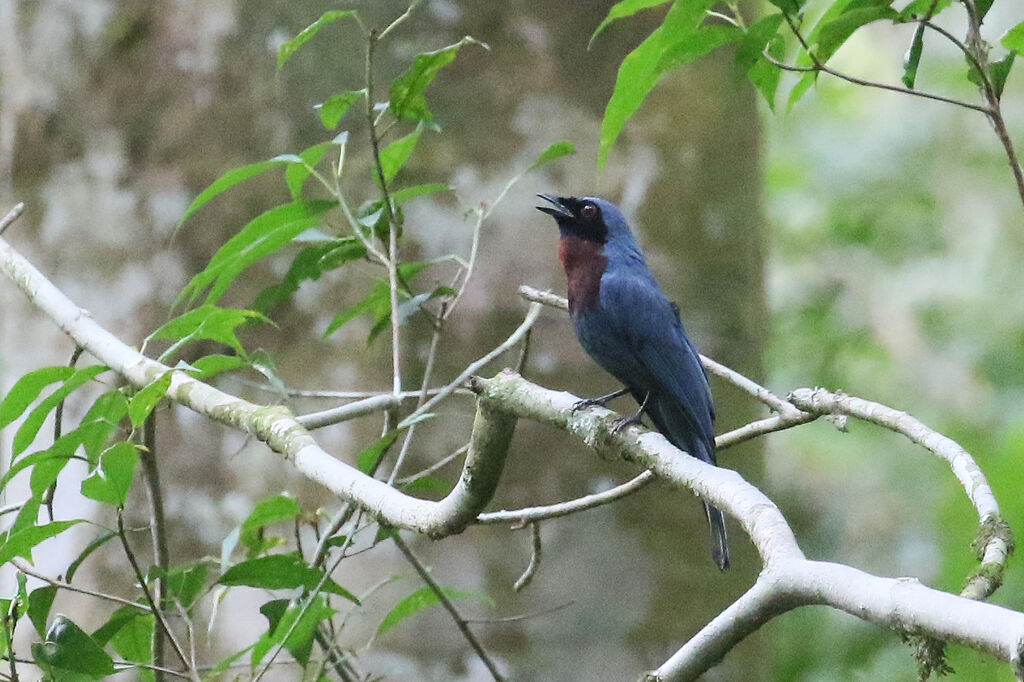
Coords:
27,389
337,105
407,91
622,10
416,602
208,322
394,157
231,178
292,46
29,428
1014,38
262,236
555,151
143,402
281,572
639,72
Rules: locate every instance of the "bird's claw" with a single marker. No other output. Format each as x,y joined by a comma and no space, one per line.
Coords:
585,403
623,422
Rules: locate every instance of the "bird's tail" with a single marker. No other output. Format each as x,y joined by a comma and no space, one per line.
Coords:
719,541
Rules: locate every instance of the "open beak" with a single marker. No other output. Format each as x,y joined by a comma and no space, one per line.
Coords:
557,209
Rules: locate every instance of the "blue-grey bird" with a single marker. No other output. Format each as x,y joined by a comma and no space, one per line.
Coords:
629,327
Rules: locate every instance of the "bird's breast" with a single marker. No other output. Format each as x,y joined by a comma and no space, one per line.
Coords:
584,262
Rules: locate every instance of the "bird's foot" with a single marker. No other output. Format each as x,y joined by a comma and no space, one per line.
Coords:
601,401
623,422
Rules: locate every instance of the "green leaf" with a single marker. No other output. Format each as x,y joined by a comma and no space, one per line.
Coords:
101,539
791,7
262,236
298,622
292,46
698,44
280,572
998,72
751,48
296,173
186,582
913,58
117,620
39,602
370,455
27,389
919,8
555,151
376,301
143,402
101,421
68,647
20,543
395,155
639,72
407,98
408,193
833,34
29,428
210,366
416,602
336,106
269,511
622,10
231,178
208,322
750,59
309,264
112,479
134,642
1012,40
801,87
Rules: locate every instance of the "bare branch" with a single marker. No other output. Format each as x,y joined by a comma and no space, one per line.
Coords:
536,549
11,216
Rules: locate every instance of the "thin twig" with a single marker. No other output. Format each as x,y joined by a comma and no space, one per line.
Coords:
157,526
874,84
440,464
536,549
140,576
471,369
29,571
522,616
428,370
58,427
11,216
392,217
460,622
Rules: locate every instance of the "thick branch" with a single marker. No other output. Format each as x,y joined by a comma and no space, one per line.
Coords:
275,425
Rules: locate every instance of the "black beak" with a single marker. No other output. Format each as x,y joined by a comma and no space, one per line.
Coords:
558,209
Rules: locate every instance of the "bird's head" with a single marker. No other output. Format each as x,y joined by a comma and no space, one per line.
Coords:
590,218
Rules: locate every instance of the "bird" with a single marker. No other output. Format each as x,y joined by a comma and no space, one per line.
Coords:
627,324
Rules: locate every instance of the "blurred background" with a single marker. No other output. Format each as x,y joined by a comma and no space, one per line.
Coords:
863,241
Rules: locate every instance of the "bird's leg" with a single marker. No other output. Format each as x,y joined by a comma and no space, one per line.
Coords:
600,400
637,418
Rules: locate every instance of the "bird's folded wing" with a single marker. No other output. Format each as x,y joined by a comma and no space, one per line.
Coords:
657,337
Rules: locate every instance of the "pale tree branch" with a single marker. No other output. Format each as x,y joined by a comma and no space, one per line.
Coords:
276,426
788,579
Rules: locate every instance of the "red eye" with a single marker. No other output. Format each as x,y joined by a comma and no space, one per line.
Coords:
588,211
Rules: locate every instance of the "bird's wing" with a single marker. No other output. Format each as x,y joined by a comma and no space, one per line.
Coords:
657,338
